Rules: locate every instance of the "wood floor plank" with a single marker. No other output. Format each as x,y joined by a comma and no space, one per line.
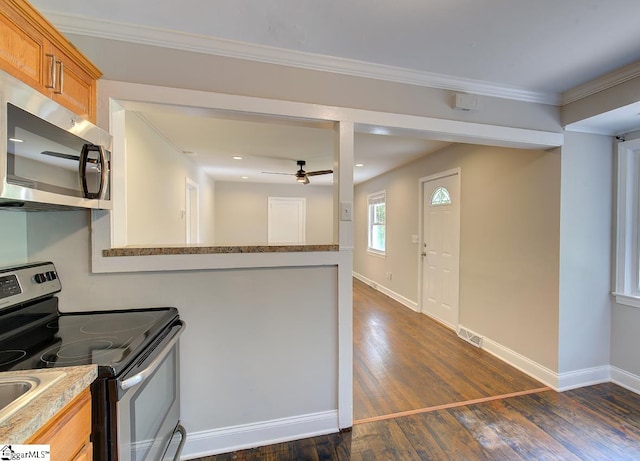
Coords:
381,442
438,436
496,422
334,446
618,406
584,432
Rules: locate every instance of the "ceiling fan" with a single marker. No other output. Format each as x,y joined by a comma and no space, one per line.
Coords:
303,176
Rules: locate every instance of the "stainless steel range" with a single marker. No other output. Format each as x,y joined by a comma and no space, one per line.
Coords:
136,397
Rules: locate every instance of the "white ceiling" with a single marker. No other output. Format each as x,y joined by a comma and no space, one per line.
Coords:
538,48
543,45
268,144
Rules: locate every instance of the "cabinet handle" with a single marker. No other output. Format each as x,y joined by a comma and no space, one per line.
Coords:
60,78
52,72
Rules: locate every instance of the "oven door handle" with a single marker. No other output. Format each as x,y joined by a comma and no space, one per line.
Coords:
148,371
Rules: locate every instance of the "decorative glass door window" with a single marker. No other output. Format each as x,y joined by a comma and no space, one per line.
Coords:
440,196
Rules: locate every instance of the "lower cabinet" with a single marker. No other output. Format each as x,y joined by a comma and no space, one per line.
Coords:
68,432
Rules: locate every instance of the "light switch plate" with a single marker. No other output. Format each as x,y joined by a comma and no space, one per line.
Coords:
346,211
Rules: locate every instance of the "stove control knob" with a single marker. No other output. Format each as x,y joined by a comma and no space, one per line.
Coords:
53,275
40,278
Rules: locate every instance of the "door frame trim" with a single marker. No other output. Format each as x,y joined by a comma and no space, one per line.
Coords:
421,185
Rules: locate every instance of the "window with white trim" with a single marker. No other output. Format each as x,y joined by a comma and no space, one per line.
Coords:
377,218
628,228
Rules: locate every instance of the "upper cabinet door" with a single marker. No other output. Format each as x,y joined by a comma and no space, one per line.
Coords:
22,48
32,50
74,87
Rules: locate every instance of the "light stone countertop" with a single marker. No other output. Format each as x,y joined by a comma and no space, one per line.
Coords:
215,249
18,427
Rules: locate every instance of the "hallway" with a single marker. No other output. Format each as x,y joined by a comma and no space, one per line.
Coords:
406,362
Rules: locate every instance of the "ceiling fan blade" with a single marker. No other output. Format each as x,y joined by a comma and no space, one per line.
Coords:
276,172
319,172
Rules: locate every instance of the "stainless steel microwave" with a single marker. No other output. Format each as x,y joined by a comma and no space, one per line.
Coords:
50,158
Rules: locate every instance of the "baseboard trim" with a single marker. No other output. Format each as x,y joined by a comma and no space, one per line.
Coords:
227,439
560,382
625,379
585,377
386,291
522,363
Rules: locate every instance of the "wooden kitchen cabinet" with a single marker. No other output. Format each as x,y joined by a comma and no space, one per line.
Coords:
32,50
68,432
86,454
74,88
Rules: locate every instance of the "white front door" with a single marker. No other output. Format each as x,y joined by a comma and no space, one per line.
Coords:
287,216
441,247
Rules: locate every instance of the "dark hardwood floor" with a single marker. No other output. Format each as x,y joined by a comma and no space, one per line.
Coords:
404,361
420,393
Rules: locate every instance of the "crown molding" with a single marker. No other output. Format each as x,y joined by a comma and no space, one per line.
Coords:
624,74
145,35
577,128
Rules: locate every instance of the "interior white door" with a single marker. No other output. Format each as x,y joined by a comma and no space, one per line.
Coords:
287,216
441,248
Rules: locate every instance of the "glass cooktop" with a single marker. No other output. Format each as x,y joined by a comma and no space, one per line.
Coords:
111,340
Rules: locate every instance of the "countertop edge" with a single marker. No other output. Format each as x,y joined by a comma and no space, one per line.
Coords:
216,249
33,415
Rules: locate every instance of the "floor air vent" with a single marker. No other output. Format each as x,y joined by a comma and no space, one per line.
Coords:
470,337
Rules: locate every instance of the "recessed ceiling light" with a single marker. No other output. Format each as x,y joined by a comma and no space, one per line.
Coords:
359,164
245,177
237,157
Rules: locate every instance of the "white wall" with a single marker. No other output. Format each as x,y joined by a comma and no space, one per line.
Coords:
254,350
13,237
242,213
156,181
585,254
508,242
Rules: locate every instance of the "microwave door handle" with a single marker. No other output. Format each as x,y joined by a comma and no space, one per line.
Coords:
82,170
104,173
148,371
84,159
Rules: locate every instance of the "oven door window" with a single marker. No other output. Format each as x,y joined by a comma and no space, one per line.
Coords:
149,412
